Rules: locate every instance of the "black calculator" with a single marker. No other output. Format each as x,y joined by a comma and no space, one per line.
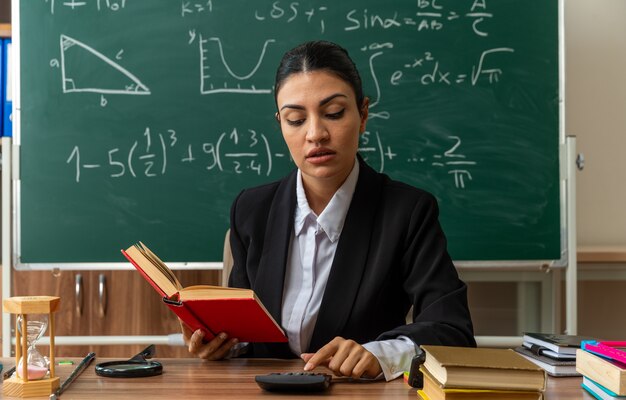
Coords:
294,381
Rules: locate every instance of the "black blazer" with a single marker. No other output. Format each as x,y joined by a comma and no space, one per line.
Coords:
391,255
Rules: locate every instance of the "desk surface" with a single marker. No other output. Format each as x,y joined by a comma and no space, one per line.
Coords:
196,379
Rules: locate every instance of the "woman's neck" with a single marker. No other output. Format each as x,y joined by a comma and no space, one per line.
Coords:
319,192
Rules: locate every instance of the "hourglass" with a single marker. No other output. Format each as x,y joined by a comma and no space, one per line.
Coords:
37,365
34,375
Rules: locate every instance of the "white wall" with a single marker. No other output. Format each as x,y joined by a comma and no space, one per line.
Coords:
595,106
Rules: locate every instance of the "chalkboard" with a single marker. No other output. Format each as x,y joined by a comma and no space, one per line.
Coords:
143,119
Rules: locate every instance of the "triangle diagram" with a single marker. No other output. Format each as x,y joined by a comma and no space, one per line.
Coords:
85,69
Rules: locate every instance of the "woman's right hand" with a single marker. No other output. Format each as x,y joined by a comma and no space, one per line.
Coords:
216,349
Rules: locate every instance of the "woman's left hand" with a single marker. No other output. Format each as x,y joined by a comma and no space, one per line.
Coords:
344,358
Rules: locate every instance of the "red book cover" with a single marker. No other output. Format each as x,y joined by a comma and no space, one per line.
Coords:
241,318
238,312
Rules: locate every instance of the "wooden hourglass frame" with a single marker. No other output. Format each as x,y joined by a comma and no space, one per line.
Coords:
22,386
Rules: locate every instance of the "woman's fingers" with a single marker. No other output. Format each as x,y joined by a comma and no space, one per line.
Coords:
344,358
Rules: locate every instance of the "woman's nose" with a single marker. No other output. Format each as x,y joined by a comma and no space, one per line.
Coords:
316,131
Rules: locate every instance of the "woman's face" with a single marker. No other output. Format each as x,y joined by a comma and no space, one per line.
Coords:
321,123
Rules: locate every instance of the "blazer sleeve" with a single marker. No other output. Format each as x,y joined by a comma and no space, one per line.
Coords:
440,311
238,275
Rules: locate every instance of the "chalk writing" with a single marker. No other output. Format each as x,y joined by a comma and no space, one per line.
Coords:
431,16
148,157
212,56
195,7
457,164
432,72
248,150
293,12
81,57
112,5
367,148
240,151
375,101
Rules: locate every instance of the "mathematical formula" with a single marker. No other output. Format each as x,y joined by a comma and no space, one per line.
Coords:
430,15
220,71
215,67
239,152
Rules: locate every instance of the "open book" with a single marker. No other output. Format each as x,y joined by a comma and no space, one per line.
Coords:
213,309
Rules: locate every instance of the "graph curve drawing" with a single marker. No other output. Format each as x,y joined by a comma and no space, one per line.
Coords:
84,69
214,58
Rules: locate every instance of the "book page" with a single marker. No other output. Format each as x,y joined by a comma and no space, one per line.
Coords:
160,277
159,264
197,292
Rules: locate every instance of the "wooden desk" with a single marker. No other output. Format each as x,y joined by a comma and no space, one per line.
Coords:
188,378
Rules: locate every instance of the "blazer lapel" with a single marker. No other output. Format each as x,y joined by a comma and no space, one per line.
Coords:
271,272
350,259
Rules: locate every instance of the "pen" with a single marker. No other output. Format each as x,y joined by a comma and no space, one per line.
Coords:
79,368
9,372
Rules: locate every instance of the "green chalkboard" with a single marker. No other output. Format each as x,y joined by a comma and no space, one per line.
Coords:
143,119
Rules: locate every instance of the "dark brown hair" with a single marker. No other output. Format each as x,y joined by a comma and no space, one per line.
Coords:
320,55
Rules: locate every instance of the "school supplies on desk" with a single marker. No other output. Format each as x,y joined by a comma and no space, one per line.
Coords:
611,350
598,391
9,372
213,309
137,367
559,344
552,366
482,368
608,373
542,351
77,371
433,390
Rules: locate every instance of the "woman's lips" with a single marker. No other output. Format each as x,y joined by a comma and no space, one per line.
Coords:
320,156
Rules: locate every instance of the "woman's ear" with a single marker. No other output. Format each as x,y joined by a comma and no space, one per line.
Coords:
364,113
277,116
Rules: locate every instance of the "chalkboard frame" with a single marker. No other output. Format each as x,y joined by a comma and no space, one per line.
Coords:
15,195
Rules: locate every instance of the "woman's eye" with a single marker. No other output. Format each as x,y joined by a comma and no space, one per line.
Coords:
296,122
336,115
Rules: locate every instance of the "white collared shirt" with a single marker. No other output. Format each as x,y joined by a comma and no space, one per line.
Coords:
311,252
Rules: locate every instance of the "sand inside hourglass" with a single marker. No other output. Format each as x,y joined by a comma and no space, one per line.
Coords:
37,365
34,372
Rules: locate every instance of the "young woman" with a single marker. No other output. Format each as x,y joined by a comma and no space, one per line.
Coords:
337,252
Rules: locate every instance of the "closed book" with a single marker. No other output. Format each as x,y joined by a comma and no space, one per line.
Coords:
608,373
563,344
213,309
611,350
434,391
482,368
537,349
598,391
422,395
550,365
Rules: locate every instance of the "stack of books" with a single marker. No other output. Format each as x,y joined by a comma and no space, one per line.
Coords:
468,373
556,354
603,366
